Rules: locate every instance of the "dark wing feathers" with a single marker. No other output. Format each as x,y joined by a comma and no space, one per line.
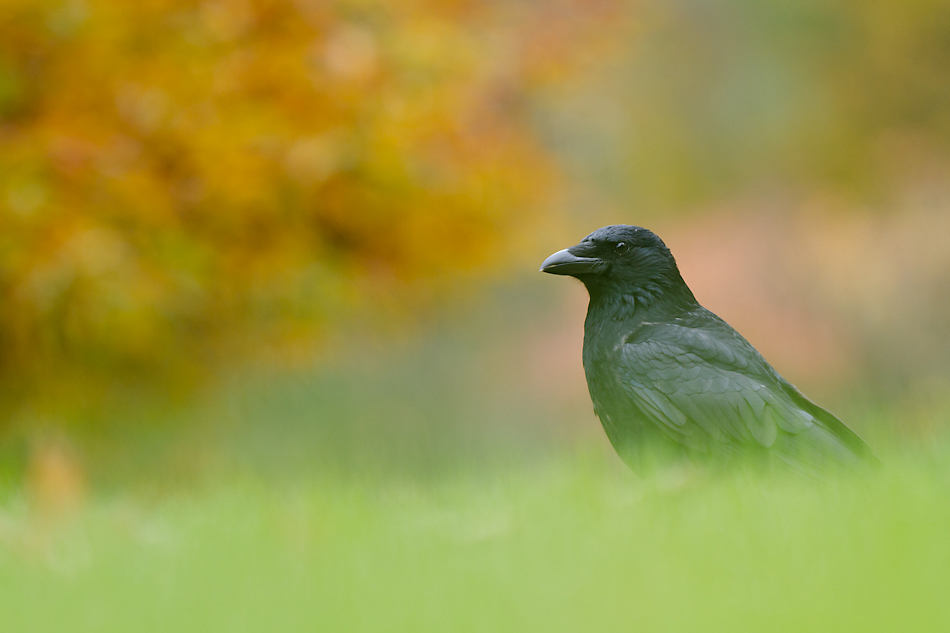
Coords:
828,421
710,389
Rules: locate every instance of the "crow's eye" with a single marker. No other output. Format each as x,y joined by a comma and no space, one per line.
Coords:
620,246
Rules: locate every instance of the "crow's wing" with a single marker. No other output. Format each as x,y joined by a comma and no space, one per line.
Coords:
709,389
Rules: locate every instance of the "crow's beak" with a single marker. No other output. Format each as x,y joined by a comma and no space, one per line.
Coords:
566,263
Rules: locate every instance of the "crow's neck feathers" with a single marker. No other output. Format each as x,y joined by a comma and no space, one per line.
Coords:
660,294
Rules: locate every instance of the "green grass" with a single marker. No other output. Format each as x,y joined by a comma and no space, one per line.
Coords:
439,489
572,543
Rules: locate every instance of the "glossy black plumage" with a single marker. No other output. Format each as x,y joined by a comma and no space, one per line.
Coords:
667,376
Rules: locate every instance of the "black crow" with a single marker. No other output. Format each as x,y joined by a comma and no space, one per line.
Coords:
667,376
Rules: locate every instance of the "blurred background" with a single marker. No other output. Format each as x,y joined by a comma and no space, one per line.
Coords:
293,237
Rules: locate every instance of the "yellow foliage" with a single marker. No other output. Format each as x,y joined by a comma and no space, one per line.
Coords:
181,179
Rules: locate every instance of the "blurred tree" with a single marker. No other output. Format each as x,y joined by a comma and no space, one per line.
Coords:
182,181
723,96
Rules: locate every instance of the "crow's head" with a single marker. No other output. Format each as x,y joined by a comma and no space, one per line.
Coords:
625,258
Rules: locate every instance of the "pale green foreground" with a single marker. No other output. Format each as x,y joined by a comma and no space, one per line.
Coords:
576,544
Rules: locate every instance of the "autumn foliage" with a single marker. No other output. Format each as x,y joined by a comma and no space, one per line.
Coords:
185,181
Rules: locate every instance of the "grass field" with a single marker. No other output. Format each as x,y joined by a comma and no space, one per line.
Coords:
435,490
571,543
